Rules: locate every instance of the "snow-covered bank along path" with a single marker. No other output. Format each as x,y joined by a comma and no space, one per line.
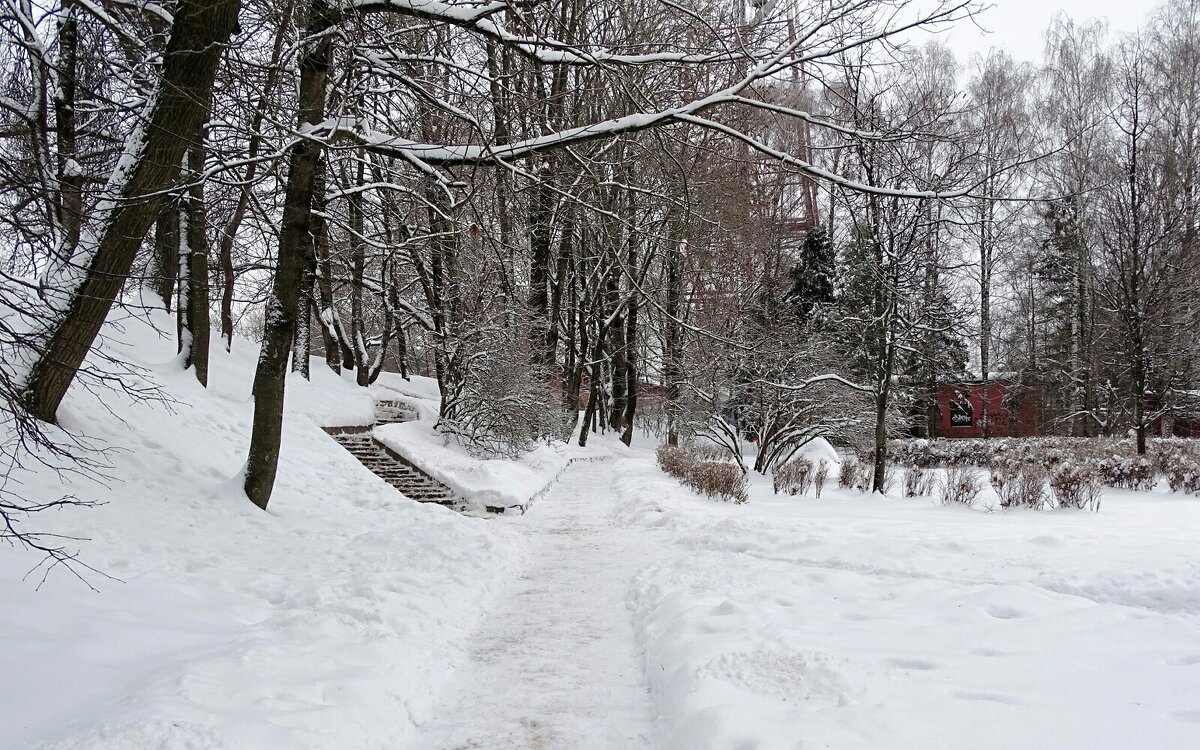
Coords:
556,664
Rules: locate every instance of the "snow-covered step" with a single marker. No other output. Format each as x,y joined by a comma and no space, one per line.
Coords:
388,465
390,412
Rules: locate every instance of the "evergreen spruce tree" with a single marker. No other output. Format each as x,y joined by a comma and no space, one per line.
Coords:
812,277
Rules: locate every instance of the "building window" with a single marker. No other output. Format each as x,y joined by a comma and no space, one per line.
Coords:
962,414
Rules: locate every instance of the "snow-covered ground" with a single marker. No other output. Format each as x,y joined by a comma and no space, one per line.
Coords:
859,622
622,611
328,622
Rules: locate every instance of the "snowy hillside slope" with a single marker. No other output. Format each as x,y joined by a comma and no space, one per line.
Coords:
328,621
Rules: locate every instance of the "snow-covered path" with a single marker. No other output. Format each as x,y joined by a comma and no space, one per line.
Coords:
556,665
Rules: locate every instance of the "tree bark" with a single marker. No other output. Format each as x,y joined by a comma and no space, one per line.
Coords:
673,346
631,362
193,263
271,375
166,253
198,37
302,345
596,377
987,210
70,173
358,344
540,213
620,376
326,312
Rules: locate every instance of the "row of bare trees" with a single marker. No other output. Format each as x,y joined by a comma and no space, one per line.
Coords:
722,220
386,179
1089,295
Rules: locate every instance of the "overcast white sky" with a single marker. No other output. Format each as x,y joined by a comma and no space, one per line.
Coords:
1017,25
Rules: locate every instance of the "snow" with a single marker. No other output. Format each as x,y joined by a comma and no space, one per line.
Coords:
621,611
859,622
327,622
496,482
557,665
817,450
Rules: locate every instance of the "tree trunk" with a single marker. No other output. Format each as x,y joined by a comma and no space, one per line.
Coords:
198,37
540,213
985,313
879,475
558,289
165,266
402,351
271,374
302,344
620,376
631,363
358,343
70,173
444,294
596,377
575,348
326,312
673,346
193,264
302,341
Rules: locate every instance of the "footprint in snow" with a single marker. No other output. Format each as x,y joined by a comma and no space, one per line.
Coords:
1046,541
1005,612
726,607
914,664
969,695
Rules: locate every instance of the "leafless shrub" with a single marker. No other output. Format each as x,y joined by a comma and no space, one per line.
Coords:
848,473
864,478
1025,488
867,478
793,477
503,406
918,482
1000,479
1115,456
820,475
719,479
961,486
1076,486
1131,473
674,460
1180,462
1184,476
1030,488
707,450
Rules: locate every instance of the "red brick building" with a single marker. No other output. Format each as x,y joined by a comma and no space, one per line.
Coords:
1012,411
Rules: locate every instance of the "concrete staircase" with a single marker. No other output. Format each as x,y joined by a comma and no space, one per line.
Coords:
389,465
